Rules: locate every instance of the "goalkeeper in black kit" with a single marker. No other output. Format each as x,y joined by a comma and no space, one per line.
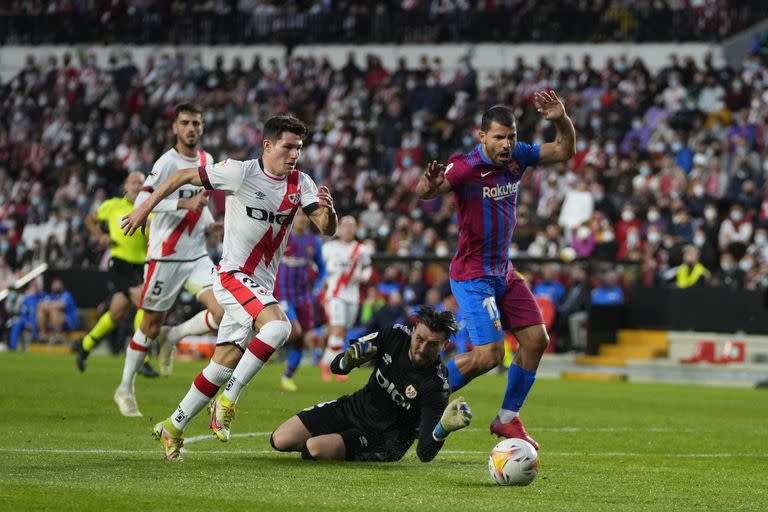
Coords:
405,398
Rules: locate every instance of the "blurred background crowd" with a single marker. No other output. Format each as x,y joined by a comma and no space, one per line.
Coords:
668,185
344,21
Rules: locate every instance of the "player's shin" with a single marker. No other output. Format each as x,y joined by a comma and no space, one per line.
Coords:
292,361
202,323
202,391
455,378
519,383
272,336
134,358
335,344
104,326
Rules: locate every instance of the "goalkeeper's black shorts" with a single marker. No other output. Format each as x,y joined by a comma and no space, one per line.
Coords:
360,444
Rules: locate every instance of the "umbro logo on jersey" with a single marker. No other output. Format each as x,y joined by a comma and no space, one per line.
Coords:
260,195
387,359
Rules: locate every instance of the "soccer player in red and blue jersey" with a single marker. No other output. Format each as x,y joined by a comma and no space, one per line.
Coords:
485,183
302,266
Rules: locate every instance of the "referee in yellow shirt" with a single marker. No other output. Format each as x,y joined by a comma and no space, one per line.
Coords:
126,266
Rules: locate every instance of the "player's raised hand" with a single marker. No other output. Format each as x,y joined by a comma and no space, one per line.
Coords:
549,105
435,174
358,354
324,198
135,220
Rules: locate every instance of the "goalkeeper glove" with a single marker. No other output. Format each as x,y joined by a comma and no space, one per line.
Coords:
357,354
457,415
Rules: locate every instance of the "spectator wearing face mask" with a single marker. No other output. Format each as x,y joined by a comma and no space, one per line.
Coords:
735,232
627,221
729,275
708,253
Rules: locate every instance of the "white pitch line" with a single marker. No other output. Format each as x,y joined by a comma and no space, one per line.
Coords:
444,452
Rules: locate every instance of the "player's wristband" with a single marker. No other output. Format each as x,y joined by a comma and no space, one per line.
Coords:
439,434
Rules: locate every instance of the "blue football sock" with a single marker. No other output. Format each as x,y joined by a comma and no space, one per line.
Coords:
519,383
293,361
455,378
317,354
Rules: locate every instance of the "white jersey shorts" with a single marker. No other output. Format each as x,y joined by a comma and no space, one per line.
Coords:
163,281
341,313
242,300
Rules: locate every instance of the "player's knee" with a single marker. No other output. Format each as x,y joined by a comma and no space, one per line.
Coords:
275,332
151,330
537,344
277,441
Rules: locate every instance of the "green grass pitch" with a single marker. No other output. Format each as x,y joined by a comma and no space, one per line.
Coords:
605,446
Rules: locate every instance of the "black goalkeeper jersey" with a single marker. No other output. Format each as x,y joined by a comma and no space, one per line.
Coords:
398,396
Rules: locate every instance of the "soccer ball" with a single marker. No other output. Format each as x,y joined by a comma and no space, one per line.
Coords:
513,462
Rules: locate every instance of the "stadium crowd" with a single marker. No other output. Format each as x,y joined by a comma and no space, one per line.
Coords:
669,173
314,21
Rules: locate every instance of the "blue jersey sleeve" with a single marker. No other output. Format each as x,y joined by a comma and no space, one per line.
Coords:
527,155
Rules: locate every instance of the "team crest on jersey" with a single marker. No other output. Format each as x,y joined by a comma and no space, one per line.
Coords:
222,163
497,324
410,391
294,198
262,291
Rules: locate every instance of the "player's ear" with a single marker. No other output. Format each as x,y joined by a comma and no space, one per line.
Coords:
266,144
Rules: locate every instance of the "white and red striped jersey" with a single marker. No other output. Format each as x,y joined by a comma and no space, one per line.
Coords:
346,265
260,209
175,235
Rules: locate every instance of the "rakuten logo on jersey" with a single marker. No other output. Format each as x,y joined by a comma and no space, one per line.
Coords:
393,393
500,191
271,217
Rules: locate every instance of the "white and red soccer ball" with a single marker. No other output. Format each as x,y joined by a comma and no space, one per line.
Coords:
513,462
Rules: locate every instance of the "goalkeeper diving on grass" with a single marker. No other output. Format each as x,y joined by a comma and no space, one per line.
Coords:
405,398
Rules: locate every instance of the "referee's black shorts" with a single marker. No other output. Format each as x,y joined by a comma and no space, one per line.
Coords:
123,275
360,444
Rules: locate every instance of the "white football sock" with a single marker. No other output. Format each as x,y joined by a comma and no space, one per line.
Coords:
505,415
134,358
201,323
203,389
335,344
271,337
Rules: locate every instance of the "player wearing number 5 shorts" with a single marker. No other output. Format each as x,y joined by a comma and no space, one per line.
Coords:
262,198
347,264
176,256
485,184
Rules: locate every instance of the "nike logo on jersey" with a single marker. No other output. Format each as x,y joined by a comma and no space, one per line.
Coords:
484,174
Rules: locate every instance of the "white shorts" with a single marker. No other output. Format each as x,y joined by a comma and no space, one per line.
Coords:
242,300
163,281
341,313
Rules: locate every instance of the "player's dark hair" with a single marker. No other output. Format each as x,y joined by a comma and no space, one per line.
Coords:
500,114
277,125
437,321
186,108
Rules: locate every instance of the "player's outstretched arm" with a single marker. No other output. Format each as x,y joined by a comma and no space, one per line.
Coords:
564,145
432,183
357,354
456,415
137,219
325,217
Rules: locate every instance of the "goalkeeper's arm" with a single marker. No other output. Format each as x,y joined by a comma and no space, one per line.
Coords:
437,421
357,354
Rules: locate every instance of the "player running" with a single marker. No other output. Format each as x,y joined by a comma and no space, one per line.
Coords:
404,399
126,268
176,257
485,184
263,197
302,264
347,263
